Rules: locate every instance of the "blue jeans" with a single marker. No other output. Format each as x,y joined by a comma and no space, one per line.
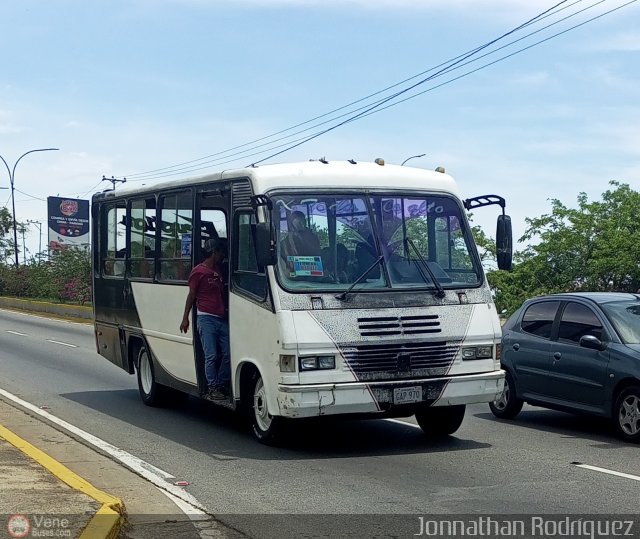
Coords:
214,336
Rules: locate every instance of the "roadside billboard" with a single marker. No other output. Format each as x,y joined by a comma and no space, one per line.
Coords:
68,220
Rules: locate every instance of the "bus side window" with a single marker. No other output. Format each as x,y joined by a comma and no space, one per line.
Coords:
176,236
246,273
113,240
142,247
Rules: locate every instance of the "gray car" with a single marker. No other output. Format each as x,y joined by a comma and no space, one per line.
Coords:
576,352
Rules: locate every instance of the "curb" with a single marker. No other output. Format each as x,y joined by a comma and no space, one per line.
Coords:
108,520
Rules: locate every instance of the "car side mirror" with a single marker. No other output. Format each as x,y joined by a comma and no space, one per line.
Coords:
504,243
264,245
591,342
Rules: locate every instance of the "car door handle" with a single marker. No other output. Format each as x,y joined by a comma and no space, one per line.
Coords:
516,347
557,356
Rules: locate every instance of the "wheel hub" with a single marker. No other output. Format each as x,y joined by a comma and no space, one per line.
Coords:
629,415
263,419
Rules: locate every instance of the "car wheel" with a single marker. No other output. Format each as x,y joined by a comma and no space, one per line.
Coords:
265,427
507,405
441,420
626,414
152,393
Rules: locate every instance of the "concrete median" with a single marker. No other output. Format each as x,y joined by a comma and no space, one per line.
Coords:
61,310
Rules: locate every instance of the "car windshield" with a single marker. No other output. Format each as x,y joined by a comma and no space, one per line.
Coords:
625,317
328,241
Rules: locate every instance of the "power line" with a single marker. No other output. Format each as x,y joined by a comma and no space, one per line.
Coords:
503,57
374,109
538,17
377,106
449,63
30,196
90,190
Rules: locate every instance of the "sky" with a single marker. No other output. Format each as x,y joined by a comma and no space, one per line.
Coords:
127,87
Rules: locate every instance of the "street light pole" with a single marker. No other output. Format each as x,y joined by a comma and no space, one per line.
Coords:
412,157
12,174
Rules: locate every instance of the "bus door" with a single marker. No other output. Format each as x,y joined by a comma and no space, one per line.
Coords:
212,211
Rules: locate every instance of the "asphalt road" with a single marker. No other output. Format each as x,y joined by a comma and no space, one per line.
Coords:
343,467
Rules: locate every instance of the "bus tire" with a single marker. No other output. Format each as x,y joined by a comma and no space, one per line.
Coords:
440,420
265,427
151,392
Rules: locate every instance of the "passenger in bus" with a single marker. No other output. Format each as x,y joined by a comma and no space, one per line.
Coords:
301,240
341,269
207,290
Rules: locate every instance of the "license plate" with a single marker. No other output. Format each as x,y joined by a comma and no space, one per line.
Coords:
404,395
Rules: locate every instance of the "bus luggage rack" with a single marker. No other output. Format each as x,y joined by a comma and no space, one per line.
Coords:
387,326
400,357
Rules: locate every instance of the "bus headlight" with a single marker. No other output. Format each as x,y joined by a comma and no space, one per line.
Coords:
312,363
477,352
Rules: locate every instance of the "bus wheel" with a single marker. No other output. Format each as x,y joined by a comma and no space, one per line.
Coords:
265,427
151,392
441,420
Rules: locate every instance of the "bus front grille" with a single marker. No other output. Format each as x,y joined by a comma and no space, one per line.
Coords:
387,326
399,360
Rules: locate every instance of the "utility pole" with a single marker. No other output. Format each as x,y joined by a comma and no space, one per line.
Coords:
113,181
39,225
23,229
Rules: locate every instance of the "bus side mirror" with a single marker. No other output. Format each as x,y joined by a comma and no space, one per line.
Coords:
265,246
504,243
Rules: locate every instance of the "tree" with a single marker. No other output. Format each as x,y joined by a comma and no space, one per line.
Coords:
594,247
6,242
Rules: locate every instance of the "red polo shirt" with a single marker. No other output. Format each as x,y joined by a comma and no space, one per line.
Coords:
208,286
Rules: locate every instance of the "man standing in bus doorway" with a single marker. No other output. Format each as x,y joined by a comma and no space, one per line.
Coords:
207,290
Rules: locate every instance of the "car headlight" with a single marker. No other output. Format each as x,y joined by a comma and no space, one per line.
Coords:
311,363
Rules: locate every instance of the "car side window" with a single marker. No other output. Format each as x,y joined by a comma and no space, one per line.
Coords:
538,318
577,321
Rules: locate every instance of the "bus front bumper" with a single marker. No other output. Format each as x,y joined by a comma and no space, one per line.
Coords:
400,397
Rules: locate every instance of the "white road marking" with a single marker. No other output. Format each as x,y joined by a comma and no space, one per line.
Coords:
16,333
62,343
148,471
404,423
610,472
193,512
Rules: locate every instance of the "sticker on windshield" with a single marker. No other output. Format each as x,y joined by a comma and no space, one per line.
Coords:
305,266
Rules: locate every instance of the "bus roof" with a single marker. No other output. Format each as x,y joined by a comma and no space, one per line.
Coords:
314,174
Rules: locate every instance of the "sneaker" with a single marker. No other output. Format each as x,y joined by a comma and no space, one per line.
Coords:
216,395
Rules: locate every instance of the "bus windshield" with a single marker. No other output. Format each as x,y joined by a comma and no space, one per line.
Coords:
330,241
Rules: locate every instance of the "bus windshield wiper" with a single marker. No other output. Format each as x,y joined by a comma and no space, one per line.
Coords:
439,292
343,295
